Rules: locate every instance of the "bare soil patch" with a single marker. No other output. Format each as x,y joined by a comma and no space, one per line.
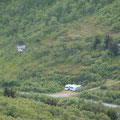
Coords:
64,94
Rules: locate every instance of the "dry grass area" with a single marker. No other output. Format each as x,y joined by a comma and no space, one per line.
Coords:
64,94
87,28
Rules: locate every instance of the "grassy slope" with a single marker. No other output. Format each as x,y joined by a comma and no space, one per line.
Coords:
35,70
36,65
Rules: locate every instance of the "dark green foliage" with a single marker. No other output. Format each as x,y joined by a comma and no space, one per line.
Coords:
10,83
12,93
96,42
112,114
51,101
9,92
6,92
113,48
108,39
103,87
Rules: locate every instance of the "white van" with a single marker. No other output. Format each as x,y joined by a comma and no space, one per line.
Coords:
72,87
79,86
67,87
75,87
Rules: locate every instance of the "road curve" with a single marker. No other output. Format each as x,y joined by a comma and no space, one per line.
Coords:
110,105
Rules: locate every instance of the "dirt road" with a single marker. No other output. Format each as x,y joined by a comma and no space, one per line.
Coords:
64,94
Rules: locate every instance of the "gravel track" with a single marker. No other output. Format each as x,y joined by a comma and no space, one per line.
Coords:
64,94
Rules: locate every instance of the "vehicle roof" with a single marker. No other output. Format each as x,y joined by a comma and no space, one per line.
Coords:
73,85
68,85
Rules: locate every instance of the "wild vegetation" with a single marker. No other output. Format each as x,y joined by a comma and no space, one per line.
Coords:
53,109
67,41
106,93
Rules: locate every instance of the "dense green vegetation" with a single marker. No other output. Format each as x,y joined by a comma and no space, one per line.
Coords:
106,93
67,41
64,109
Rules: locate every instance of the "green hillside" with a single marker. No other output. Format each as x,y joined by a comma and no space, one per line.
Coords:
66,42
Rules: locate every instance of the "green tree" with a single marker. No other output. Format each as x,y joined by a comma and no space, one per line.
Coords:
108,39
51,101
96,42
9,92
112,114
12,93
6,92
113,48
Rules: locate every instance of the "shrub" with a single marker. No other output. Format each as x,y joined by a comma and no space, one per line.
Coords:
112,114
103,87
113,48
116,27
108,39
96,42
51,101
9,92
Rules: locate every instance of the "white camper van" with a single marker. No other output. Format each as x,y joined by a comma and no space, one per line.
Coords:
72,87
67,87
79,86
75,87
